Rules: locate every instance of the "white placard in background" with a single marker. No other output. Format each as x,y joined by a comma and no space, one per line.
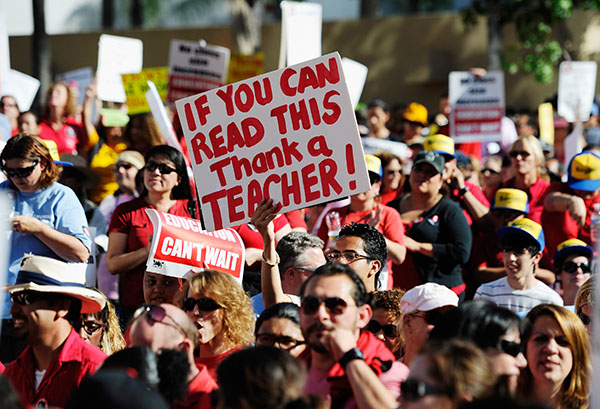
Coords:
116,56
4,53
22,87
576,87
356,76
300,32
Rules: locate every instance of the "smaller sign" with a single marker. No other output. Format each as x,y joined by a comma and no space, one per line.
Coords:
22,87
116,56
356,76
180,244
546,122
4,54
576,86
160,116
195,68
80,79
477,106
136,86
242,67
301,24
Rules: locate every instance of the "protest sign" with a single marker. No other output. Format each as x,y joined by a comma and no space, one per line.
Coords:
6,212
576,87
356,76
180,244
160,116
116,56
289,135
136,86
300,32
22,87
546,122
4,53
195,67
80,79
242,67
477,106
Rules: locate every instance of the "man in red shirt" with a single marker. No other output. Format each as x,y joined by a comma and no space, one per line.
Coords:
166,326
48,298
568,206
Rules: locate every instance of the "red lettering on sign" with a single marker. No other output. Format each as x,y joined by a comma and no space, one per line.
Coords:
290,187
244,104
332,117
278,113
284,82
202,109
327,172
213,200
217,141
226,94
234,201
199,144
299,113
309,182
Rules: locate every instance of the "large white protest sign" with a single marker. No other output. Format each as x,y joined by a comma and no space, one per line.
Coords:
22,87
6,205
356,76
195,67
300,32
289,135
4,53
477,106
80,79
160,116
116,56
576,87
180,244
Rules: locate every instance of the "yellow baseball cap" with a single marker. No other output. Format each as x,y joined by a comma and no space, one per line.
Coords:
442,144
572,246
584,172
525,228
416,112
511,199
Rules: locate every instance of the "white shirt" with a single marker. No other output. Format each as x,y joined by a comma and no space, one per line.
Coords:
501,293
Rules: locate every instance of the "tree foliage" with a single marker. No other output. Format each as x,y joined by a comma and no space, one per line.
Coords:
536,52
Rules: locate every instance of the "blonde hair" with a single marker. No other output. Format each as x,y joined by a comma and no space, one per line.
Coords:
585,294
533,146
238,315
575,389
112,337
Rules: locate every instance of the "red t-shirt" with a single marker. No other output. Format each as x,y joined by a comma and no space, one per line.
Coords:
252,238
296,219
67,138
198,396
212,363
536,195
390,225
76,359
559,226
130,218
479,195
385,198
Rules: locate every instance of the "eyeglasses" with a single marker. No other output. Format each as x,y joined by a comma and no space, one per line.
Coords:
389,330
586,319
91,327
126,166
20,172
489,171
514,154
286,343
391,172
334,305
26,297
349,256
203,304
571,267
162,168
414,389
156,313
511,348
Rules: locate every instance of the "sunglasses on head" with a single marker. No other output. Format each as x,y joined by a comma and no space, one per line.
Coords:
334,305
20,172
124,165
509,347
389,330
585,319
514,154
162,168
414,389
203,304
571,267
156,313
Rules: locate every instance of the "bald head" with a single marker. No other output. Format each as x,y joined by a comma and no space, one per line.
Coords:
169,332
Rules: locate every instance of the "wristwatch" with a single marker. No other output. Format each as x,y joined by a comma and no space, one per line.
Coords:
462,192
351,355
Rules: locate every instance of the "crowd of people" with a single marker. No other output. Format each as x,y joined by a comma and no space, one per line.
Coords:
462,277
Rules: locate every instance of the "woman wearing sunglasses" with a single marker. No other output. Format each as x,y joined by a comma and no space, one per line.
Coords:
166,189
556,343
446,375
47,219
223,314
102,329
392,179
572,263
387,320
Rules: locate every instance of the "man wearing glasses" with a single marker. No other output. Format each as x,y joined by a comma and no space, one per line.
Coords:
166,326
348,365
48,297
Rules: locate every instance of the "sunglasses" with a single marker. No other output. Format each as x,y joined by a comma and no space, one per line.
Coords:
162,168
514,154
125,166
20,172
91,327
26,297
203,304
391,172
348,256
489,171
389,330
511,348
571,267
585,319
286,343
156,313
413,389
334,305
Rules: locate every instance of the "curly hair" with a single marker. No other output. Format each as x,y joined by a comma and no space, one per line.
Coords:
70,107
575,389
238,317
585,295
389,301
23,146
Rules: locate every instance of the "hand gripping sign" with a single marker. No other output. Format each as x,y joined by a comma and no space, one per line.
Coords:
180,243
289,135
